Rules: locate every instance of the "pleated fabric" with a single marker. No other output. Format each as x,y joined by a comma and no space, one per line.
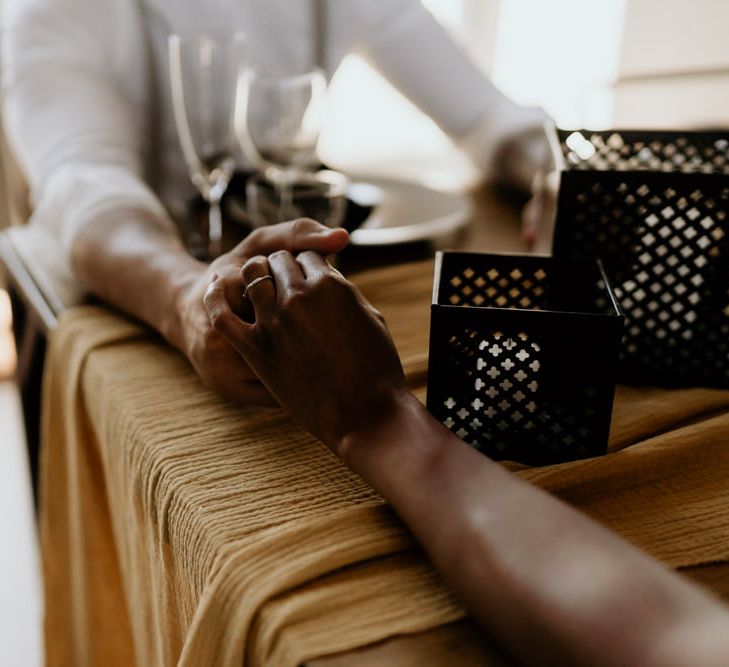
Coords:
179,529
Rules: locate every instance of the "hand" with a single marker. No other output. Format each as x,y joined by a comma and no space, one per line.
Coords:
319,347
525,163
537,228
215,361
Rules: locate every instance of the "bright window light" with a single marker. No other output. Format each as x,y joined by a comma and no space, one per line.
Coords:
560,55
371,127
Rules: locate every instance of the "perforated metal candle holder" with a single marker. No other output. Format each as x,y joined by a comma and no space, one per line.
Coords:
654,207
523,355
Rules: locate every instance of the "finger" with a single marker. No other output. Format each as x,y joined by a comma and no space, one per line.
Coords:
234,294
238,335
222,319
261,293
313,264
230,277
241,336
294,236
308,234
328,243
287,273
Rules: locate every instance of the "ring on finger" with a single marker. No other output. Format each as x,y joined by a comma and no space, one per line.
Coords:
254,282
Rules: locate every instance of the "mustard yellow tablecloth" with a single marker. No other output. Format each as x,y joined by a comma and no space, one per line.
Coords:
178,529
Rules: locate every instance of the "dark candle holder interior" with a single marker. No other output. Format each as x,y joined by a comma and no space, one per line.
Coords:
654,207
523,354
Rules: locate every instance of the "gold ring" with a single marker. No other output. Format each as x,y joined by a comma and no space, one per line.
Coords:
255,282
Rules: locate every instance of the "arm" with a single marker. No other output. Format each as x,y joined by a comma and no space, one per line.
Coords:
506,141
550,583
141,267
413,51
77,133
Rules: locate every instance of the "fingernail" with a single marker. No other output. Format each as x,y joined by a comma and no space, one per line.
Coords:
214,277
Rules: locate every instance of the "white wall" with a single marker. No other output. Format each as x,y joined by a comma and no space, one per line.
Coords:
559,55
674,37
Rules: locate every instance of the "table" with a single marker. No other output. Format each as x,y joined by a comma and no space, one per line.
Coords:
176,525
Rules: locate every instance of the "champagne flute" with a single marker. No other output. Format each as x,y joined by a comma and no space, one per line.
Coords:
206,74
280,125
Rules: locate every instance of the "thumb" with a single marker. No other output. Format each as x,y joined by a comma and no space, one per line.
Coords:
295,236
324,241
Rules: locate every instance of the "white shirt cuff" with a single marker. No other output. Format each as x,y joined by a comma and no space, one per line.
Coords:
75,196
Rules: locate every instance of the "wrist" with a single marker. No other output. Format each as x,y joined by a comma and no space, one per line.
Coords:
404,441
182,290
135,260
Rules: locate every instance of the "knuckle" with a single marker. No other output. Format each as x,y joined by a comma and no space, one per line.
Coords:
215,318
295,300
336,279
223,278
300,226
219,320
333,283
325,282
210,341
209,298
255,237
293,309
303,226
278,254
255,266
213,299
306,254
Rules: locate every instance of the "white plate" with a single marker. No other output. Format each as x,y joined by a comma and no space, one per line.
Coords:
406,212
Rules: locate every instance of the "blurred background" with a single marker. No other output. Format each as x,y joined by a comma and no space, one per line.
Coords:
589,63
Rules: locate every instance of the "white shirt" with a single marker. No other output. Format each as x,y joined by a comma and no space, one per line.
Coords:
79,107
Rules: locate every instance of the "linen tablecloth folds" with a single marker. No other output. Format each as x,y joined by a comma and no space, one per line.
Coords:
178,529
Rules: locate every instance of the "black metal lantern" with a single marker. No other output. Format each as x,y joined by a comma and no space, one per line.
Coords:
523,355
654,207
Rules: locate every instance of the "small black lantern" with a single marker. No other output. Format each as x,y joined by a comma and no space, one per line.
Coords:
523,355
654,207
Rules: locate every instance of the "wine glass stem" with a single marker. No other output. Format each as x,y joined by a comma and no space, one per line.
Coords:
215,229
285,182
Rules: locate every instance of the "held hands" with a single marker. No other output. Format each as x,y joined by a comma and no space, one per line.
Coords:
215,361
318,346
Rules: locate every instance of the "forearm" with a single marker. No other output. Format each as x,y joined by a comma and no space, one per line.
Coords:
552,584
139,265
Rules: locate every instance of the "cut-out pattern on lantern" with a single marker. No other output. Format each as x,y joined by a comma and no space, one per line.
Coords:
654,207
522,355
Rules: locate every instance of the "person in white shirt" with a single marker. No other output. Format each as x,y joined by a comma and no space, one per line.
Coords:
88,116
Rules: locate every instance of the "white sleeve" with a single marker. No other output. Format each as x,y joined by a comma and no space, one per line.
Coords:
403,40
68,121
528,153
